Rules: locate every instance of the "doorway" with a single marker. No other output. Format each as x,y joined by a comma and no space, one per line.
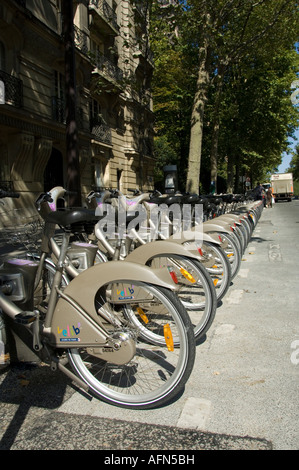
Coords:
53,174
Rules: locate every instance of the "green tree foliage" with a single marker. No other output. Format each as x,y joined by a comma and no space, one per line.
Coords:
294,164
258,115
228,64
173,88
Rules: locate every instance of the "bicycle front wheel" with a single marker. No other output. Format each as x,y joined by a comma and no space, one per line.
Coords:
159,370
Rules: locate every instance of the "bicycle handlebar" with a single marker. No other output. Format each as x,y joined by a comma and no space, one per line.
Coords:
134,191
4,194
44,197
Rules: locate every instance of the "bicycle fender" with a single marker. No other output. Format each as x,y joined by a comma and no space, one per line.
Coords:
145,253
219,226
234,219
212,238
76,322
56,193
204,237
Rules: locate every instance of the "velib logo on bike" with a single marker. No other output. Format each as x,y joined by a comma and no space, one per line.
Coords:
2,350
70,333
152,222
125,293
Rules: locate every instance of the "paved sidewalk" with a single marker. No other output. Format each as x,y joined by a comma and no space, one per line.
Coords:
243,391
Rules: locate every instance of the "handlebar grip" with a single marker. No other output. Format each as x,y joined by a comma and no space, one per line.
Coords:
134,191
44,197
70,193
11,194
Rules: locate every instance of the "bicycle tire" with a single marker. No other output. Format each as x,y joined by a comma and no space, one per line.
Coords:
4,345
155,375
199,296
221,271
233,252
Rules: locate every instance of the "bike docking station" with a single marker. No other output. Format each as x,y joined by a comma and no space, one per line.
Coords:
123,288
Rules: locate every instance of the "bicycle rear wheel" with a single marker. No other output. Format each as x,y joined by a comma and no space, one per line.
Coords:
196,290
233,252
221,269
4,349
158,370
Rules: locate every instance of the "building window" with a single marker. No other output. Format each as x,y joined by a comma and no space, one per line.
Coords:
119,176
98,126
95,111
5,169
58,98
2,56
98,173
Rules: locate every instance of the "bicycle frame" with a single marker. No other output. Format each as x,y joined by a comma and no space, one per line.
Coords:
75,305
147,250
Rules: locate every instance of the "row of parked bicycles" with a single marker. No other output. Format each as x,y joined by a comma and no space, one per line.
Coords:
117,293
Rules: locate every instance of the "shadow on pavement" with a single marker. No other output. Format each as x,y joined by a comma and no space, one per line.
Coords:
24,386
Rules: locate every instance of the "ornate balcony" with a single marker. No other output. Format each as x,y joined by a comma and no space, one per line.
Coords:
144,52
105,15
58,109
100,131
106,68
13,89
58,112
141,7
81,40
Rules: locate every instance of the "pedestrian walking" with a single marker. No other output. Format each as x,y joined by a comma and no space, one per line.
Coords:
269,197
258,192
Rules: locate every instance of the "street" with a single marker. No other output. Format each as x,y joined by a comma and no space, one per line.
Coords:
243,391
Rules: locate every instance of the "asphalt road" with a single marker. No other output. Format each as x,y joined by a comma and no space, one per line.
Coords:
243,391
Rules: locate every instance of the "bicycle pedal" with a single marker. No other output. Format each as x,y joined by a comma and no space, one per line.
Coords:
25,318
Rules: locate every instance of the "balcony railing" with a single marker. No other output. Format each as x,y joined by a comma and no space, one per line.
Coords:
58,109
58,112
141,7
101,131
13,89
146,52
105,11
81,40
106,67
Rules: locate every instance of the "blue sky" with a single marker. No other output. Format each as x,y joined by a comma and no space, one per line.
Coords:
287,157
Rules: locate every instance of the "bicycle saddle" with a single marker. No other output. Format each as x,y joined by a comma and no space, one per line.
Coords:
227,197
190,199
218,200
131,201
68,217
166,200
202,200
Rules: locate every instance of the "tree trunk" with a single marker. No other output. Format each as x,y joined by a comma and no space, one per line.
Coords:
197,119
72,152
214,155
237,176
215,129
230,173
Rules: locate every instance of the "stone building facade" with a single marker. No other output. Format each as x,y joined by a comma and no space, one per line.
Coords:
113,100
